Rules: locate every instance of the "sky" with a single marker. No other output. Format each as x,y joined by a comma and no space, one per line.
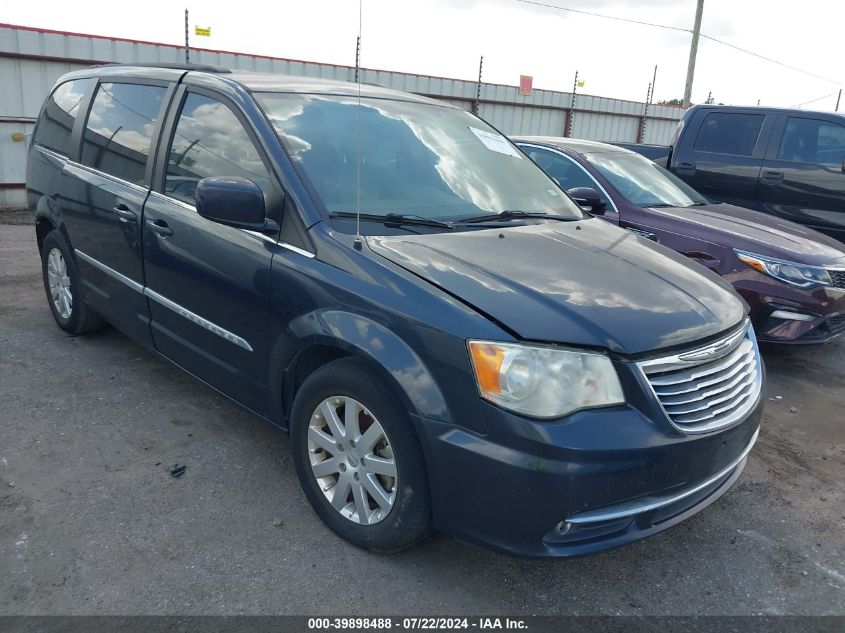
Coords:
447,37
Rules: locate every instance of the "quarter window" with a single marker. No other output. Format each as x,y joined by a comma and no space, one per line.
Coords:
59,115
120,128
729,133
813,141
210,141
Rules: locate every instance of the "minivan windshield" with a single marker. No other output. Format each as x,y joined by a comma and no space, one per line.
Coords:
642,182
416,159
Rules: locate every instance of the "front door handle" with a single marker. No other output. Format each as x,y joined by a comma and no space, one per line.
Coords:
125,214
687,169
159,227
773,177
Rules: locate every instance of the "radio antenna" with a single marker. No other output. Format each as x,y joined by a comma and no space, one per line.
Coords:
358,243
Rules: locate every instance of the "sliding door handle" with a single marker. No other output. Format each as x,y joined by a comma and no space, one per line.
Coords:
125,214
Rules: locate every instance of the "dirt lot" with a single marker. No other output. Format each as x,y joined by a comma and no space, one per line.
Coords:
91,522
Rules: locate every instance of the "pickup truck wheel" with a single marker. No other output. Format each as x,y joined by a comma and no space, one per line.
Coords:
358,458
64,288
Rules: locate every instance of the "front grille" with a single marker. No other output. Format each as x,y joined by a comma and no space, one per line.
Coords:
708,387
837,277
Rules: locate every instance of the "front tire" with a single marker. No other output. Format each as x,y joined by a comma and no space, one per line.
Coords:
358,458
63,285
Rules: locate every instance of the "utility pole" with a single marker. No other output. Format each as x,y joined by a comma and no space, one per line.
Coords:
187,46
478,88
838,99
693,50
185,153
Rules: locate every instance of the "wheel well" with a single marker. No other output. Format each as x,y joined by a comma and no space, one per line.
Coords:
303,365
311,359
42,228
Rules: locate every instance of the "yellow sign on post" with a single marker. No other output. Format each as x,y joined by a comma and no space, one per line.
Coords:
580,83
206,32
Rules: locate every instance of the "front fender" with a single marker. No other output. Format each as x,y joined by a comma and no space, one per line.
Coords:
358,335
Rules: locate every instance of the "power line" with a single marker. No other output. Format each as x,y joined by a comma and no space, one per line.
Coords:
832,94
682,30
769,59
606,17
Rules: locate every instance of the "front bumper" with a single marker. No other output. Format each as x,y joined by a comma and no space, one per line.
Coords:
596,480
790,315
801,331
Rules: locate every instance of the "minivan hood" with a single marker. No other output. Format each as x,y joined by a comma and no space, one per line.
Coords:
763,234
582,283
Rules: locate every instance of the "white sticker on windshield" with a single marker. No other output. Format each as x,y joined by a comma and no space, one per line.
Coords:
495,142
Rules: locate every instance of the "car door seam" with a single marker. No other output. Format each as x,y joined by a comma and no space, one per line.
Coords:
167,303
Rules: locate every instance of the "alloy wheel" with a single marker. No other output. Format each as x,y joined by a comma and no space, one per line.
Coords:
352,460
59,283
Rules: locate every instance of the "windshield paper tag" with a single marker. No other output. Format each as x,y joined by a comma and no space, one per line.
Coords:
495,142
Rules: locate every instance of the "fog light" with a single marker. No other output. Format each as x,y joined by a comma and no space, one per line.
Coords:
789,315
563,527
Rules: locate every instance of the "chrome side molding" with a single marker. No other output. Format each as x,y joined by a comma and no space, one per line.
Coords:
111,272
167,303
197,319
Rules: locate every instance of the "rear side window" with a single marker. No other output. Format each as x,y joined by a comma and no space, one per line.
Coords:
210,141
729,133
59,115
120,129
813,141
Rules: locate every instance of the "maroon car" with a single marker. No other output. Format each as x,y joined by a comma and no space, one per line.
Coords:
792,277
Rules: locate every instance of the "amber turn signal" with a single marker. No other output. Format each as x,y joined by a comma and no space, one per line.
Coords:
487,361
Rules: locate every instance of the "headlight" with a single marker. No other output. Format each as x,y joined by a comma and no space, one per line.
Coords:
800,275
543,382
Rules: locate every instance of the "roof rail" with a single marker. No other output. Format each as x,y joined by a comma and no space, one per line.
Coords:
206,68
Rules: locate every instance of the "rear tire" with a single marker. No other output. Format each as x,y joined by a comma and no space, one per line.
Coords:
358,458
63,285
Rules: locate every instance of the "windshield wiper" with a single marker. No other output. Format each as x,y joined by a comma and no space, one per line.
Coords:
659,205
395,219
507,216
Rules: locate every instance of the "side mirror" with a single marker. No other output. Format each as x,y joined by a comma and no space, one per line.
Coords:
588,199
232,201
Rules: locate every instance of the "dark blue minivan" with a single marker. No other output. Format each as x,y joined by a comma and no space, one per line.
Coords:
451,342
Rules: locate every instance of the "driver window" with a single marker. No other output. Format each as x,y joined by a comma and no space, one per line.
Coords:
210,141
566,172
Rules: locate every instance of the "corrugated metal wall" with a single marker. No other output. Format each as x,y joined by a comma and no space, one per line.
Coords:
25,83
32,59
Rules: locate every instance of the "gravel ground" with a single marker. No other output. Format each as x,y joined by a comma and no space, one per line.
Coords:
91,522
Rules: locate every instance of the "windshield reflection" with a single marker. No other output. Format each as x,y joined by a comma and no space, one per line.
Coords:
415,158
643,182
